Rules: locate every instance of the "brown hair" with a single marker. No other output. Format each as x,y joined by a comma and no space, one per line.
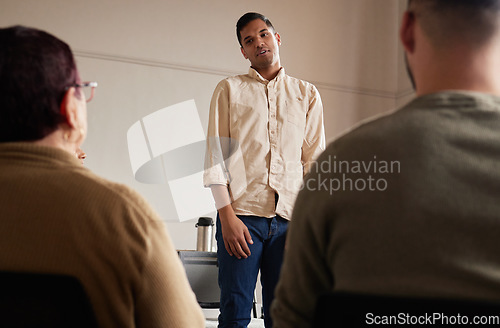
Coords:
451,21
35,70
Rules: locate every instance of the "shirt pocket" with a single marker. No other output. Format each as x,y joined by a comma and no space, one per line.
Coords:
296,113
246,121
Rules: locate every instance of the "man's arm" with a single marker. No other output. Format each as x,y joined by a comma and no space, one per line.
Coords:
234,232
218,134
314,137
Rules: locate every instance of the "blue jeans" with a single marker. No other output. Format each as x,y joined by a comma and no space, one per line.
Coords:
237,278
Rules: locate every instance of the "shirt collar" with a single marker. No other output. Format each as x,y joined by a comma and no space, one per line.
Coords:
255,75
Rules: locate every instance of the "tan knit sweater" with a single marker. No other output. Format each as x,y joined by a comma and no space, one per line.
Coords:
58,217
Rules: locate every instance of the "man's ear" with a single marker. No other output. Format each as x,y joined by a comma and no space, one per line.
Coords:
407,32
69,107
243,53
278,38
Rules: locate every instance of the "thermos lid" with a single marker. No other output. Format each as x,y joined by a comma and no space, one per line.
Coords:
205,221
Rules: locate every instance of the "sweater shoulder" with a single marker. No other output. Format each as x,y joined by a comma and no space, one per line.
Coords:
114,195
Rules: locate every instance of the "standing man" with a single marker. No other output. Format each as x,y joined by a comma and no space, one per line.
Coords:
430,224
264,130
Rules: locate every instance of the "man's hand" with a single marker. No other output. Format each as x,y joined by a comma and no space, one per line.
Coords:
235,233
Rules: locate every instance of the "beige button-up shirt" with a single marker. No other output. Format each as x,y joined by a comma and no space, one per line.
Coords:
262,135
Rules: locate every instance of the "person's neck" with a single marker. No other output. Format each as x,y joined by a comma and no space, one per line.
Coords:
56,140
269,72
462,70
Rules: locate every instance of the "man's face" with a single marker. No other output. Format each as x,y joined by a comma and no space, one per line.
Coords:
260,44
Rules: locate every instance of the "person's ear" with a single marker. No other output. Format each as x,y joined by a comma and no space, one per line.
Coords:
407,32
278,38
69,107
243,53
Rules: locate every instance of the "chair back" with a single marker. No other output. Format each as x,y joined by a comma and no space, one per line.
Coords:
202,271
43,300
359,310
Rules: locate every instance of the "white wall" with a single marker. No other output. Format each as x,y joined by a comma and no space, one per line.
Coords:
151,54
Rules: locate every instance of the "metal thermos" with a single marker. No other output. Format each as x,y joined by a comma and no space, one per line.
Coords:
205,232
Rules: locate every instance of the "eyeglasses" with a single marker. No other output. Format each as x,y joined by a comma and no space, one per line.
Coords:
88,89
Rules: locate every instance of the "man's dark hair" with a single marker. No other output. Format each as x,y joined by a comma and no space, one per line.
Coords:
457,21
247,18
35,70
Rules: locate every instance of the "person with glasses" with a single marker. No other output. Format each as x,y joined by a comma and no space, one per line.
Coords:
57,217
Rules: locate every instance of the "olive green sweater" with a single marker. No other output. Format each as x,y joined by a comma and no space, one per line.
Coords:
407,205
59,217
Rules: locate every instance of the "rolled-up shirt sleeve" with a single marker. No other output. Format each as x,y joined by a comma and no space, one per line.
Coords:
217,138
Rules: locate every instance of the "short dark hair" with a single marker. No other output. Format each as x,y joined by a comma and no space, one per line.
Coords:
247,18
35,70
451,21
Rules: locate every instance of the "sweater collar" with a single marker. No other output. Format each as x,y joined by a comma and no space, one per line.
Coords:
458,98
42,155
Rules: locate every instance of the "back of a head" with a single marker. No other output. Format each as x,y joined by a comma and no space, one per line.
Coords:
451,22
35,70
247,18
